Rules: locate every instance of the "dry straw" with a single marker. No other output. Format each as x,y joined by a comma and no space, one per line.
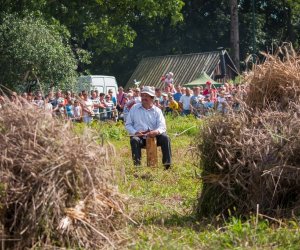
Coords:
57,185
251,159
276,82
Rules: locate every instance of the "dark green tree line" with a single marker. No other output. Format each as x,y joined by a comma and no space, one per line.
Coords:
117,34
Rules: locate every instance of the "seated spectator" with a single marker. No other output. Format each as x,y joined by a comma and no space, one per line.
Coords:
197,103
173,105
169,79
185,102
77,111
165,102
51,98
208,105
157,103
221,103
58,104
24,100
30,98
183,89
126,109
69,109
158,94
144,120
68,97
178,93
136,98
207,90
48,106
39,102
167,89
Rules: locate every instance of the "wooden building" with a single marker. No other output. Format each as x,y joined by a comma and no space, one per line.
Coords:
186,68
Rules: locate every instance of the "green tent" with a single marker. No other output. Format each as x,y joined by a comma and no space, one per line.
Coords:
201,81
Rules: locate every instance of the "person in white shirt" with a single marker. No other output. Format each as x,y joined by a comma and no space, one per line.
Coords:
87,109
145,119
77,111
169,79
185,102
96,102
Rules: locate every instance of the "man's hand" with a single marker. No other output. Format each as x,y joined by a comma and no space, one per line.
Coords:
139,133
153,133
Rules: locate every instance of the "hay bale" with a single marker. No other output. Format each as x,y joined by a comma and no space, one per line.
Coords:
58,185
276,82
249,159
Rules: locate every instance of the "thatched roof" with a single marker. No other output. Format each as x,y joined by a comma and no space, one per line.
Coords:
186,68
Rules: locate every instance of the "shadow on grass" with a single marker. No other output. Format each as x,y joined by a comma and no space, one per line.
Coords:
176,220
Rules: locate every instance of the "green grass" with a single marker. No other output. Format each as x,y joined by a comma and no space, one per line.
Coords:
162,202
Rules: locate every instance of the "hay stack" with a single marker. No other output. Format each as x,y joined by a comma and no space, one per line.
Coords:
276,82
57,184
251,159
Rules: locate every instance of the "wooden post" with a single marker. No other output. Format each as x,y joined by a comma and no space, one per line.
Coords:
151,150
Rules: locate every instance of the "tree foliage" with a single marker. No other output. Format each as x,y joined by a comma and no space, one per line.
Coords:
32,49
118,33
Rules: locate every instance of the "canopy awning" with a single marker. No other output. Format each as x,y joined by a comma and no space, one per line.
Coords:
201,81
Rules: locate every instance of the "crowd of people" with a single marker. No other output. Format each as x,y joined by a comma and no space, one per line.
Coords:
199,101
84,106
171,99
142,109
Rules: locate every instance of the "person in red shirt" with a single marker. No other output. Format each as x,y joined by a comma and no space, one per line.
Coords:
212,92
207,89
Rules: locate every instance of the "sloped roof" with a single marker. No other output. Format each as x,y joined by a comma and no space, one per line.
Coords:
185,67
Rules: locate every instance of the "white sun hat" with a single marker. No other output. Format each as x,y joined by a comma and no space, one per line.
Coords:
148,90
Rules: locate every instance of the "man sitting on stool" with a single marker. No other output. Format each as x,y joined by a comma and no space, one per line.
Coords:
145,119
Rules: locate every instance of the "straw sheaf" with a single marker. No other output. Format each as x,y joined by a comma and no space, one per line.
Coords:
276,82
249,161
57,184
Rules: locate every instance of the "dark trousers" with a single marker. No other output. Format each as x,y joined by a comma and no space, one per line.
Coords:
137,143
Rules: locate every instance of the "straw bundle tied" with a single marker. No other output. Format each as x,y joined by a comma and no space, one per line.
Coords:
57,184
251,159
276,82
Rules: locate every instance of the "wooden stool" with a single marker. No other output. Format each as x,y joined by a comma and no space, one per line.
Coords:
151,150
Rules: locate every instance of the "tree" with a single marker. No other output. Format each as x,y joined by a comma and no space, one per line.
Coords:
31,49
293,12
104,28
234,33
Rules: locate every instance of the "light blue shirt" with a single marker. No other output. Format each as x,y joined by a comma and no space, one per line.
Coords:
141,119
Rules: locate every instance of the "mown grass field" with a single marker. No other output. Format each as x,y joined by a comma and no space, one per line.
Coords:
162,202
